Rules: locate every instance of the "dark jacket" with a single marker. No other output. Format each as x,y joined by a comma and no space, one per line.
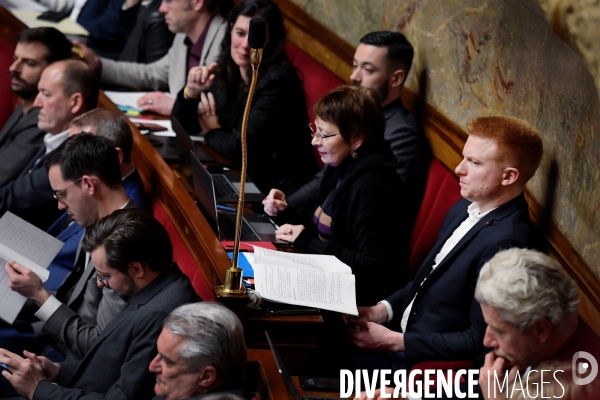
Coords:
369,224
150,38
411,149
108,25
116,367
20,140
279,151
446,321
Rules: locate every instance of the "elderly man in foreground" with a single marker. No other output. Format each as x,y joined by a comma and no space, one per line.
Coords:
530,306
201,350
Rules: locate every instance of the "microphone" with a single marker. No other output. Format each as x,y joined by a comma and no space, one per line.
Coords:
257,33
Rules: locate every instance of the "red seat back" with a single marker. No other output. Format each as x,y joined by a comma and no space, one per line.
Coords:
182,256
316,79
441,193
7,101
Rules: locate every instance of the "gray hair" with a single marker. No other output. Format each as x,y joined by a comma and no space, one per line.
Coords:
526,286
214,337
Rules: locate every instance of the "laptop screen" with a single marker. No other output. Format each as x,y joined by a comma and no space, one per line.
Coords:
283,371
205,192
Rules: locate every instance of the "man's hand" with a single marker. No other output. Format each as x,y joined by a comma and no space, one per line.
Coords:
499,366
274,202
89,56
26,373
199,79
377,314
207,113
25,282
374,337
378,393
288,232
157,102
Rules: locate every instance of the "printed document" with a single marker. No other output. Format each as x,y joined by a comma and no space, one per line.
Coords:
29,246
311,280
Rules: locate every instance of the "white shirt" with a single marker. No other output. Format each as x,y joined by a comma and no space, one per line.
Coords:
53,141
77,6
472,219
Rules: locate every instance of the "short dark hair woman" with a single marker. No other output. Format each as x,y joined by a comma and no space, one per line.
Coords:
361,214
213,101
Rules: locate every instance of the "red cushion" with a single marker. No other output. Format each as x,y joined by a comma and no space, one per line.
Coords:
316,79
441,193
6,100
182,256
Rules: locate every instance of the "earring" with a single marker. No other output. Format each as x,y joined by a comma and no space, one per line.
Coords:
354,154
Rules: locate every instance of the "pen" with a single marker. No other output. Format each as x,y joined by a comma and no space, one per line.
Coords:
225,208
78,51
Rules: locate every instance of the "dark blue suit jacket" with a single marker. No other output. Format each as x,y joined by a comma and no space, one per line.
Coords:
71,236
446,321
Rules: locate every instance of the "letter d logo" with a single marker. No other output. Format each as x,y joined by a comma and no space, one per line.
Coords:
582,367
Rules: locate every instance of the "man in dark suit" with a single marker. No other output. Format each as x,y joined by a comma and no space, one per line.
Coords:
201,350
67,89
133,255
382,62
436,317
20,138
113,126
85,176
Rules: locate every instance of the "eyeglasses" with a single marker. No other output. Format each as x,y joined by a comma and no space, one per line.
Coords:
320,137
60,195
103,278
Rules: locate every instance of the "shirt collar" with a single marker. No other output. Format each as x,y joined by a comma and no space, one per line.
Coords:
473,210
130,172
53,141
196,48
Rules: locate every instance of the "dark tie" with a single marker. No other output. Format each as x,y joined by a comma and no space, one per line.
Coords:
66,289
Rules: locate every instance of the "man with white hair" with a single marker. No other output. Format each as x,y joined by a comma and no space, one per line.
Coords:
201,350
530,306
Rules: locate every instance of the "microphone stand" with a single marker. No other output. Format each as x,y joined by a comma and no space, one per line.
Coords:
233,275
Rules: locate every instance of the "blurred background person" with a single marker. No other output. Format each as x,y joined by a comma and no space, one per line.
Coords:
212,103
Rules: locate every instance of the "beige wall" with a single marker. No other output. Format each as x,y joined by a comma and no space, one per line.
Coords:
499,57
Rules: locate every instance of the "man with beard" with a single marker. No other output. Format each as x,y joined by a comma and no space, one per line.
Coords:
133,255
20,138
382,62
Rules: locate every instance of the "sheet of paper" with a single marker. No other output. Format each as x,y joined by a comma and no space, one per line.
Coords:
66,26
27,5
128,99
306,287
319,262
29,246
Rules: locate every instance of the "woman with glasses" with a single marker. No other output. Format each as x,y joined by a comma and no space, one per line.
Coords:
213,101
360,216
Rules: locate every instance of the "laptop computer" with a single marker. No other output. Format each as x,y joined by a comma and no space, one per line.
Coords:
176,149
255,227
288,379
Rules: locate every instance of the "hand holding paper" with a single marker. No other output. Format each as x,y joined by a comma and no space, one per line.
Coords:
25,282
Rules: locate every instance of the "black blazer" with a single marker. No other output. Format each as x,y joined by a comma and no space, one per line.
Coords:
446,321
116,366
20,140
29,196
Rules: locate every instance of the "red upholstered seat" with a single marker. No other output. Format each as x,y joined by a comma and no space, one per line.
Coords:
182,256
441,193
316,79
7,103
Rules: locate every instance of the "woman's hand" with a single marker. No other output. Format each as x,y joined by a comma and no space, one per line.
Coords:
207,113
199,79
157,102
288,232
274,202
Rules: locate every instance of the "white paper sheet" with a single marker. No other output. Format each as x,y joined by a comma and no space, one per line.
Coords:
29,246
66,26
27,5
